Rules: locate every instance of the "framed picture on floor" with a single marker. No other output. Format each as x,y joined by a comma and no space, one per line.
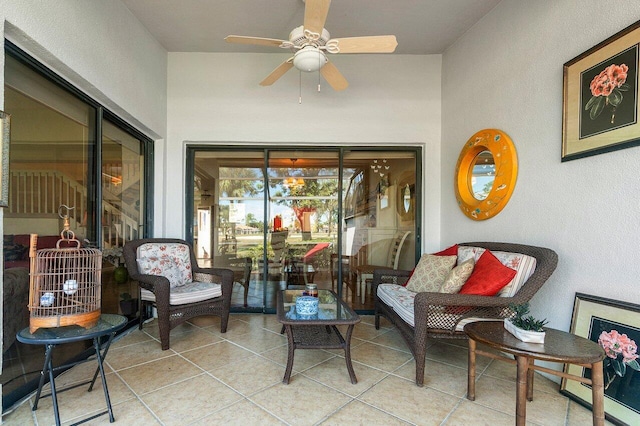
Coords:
601,98
615,326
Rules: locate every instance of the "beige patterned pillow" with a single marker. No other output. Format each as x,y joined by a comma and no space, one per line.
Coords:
457,277
430,273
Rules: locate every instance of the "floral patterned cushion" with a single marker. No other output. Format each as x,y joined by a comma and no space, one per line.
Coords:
457,277
430,273
171,260
523,265
400,299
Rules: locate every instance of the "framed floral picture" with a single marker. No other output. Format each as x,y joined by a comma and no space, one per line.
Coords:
601,97
615,326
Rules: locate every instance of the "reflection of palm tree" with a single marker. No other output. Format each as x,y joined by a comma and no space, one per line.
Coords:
241,182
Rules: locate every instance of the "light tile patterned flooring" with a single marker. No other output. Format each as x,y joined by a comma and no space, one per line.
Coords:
209,378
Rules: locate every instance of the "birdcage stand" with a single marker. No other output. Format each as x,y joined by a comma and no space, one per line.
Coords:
107,325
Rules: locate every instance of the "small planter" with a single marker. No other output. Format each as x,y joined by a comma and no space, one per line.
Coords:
524,335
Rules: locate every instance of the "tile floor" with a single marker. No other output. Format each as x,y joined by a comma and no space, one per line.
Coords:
209,378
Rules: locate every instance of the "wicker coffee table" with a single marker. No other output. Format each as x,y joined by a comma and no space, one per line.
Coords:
317,331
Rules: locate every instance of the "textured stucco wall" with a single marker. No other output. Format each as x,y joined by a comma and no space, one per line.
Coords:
506,72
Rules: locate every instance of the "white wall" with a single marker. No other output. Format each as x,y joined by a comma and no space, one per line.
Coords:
215,99
506,72
100,47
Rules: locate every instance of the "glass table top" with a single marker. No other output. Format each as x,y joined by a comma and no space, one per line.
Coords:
330,307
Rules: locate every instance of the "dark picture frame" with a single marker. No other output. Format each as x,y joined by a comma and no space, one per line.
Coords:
601,98
5,132
596,318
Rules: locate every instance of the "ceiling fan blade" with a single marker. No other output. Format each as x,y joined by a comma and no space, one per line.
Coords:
277,73
334,77
370,44
315,15
254,40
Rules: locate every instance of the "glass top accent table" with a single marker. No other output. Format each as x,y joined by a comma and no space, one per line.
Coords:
318,331
559,346
108,325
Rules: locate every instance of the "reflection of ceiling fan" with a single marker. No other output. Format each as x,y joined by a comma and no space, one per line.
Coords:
310,44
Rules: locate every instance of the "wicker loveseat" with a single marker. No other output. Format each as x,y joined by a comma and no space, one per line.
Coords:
442,315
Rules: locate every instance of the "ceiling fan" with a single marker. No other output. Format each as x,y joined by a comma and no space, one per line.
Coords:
311,43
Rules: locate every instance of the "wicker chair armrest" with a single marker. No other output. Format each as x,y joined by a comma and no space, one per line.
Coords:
388,276
157,284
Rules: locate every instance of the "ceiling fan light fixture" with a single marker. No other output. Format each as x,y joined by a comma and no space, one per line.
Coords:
309,59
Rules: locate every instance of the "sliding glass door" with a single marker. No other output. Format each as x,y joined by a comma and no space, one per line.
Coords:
284,218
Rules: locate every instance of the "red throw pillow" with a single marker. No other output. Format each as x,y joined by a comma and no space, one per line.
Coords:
489,276
451,251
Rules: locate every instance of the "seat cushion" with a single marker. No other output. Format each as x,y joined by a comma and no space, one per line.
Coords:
402,302
430,273
170,260
187,293
399,299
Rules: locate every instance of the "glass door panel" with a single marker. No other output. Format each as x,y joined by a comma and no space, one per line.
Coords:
229,219
122,179
51,146
302,213
379,211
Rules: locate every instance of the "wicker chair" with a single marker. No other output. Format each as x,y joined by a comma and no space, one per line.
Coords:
241,267
438,315
172,315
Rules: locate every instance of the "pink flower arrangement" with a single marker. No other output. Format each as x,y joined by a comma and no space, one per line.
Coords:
606,90
610,78
615,344
618,346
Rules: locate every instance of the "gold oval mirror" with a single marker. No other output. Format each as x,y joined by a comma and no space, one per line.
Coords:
486,174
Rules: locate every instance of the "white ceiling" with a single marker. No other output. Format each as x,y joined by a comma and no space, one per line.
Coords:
421,26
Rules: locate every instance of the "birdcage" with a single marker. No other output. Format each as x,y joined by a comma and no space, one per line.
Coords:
65,284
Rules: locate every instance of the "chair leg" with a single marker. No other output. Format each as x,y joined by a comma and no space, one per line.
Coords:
164,331
224,321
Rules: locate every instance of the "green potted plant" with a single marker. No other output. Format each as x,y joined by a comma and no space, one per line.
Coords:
524,326
128,305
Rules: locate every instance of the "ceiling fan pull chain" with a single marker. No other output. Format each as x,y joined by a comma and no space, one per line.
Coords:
319,66
300,87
